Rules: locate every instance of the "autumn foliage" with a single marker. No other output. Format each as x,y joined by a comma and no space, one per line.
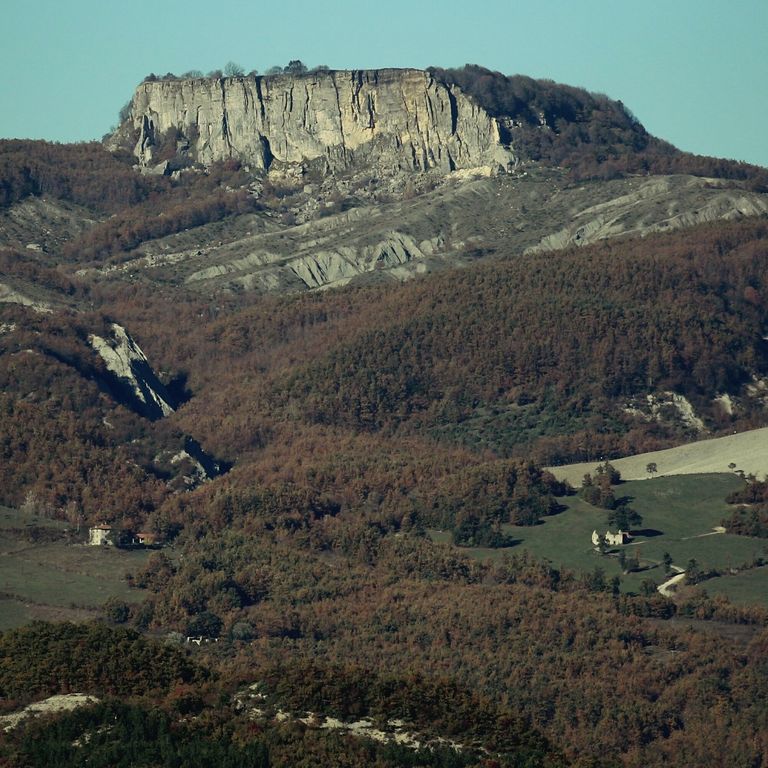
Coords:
348,424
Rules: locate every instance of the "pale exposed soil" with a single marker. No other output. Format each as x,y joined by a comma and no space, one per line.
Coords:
451,225
43,222
747,450
669,587
62,703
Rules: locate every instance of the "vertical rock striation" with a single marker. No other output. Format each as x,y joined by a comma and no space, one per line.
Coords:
125,360
388,119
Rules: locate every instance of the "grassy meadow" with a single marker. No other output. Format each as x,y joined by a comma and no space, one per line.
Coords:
44,575
679,515
745,588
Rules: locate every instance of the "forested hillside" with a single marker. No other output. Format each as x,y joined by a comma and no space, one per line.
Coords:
534,357
526,355
590,134
354,420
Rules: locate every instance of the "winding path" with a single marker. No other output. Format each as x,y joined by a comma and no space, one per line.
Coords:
666,588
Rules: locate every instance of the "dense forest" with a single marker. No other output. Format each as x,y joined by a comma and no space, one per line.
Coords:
590,134
385,390
591,326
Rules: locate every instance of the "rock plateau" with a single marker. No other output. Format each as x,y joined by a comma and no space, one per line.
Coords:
389,120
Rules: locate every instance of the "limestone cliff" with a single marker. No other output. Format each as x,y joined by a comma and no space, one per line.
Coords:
387,119
124,358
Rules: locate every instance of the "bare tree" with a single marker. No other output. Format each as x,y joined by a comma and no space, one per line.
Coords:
31,504
296,67
233,70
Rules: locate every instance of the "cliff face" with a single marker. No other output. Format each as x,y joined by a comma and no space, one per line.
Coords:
390,119
124,358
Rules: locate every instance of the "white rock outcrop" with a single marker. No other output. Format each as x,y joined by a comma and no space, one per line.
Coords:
392,119
124,358
666,405
60,703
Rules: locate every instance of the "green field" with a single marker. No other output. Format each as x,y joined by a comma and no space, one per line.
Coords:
57,579
745,588
679,513
11,519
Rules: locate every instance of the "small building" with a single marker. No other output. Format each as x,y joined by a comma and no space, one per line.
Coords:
99,535
146,539
610,539
617,539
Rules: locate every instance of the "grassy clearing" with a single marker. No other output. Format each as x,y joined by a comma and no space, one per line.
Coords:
63,574
15,519
679,513
747,450
14,613
683,505
745,588
55,577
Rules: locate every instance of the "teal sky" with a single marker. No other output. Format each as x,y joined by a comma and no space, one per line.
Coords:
695,72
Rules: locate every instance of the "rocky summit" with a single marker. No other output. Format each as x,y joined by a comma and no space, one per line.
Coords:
388,119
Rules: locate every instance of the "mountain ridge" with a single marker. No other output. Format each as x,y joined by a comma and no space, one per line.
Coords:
441,119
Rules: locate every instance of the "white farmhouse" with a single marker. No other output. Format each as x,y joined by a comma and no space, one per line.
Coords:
616,539
611,539
99,535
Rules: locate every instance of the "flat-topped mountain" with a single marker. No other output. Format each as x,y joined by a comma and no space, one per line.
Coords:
391,119
382,124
